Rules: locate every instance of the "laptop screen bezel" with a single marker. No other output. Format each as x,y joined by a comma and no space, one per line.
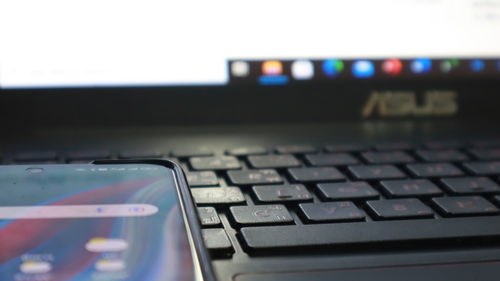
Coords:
22,109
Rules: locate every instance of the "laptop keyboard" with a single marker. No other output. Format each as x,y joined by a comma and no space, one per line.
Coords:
292,198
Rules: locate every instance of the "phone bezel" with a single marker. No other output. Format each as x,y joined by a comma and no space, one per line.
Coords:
188,209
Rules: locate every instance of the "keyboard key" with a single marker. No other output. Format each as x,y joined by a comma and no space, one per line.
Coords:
410,188
493,143
35,156
260,214
376,172
271,239
331,212
247,150
217,196
443,145
252,177
295,149
318,174
217,241
215,163
192,152
206,178
486,154
347,191
400,209
140,153
394,157
332,159
282,193
89,155
484,168
394,146
346,148
442,155
465,206
471,185
208,216
273,161
434,170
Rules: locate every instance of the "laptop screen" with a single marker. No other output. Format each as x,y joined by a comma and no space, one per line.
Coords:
56,43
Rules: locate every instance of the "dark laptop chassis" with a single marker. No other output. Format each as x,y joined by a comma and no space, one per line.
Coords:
221,117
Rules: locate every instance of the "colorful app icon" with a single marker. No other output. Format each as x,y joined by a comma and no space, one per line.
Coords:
363,69
109,265
35,267
99,245
272,68
477,65
333,67
421,66
392,67
302,69
448,65
240,68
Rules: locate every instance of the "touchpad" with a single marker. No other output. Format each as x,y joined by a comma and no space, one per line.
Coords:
488,271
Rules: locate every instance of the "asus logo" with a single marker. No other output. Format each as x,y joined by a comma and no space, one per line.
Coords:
402,103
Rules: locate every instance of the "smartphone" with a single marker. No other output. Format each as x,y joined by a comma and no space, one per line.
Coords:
106,221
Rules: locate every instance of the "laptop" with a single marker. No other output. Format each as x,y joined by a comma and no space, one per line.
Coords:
338,140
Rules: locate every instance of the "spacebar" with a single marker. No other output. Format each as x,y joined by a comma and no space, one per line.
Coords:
333,235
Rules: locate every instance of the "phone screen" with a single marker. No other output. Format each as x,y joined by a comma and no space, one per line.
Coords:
92,222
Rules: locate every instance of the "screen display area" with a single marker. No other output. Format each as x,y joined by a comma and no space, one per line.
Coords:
58,43
87,222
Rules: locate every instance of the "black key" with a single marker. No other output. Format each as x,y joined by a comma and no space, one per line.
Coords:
400,209
443,145
494,143
251,177
215,163
376,172
261,214
331,212
192,152
140,153
471,185
273,161
442,155
208,216
347,190
217,196
497,199
394,146
465,206
393,157
434,170
484,168
346,148
35,156
321,236
282,193
217,241
410,188
486,154
295,149
206,178
318,174
247,150
89,155
332,159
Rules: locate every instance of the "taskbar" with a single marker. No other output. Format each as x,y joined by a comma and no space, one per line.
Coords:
283,72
